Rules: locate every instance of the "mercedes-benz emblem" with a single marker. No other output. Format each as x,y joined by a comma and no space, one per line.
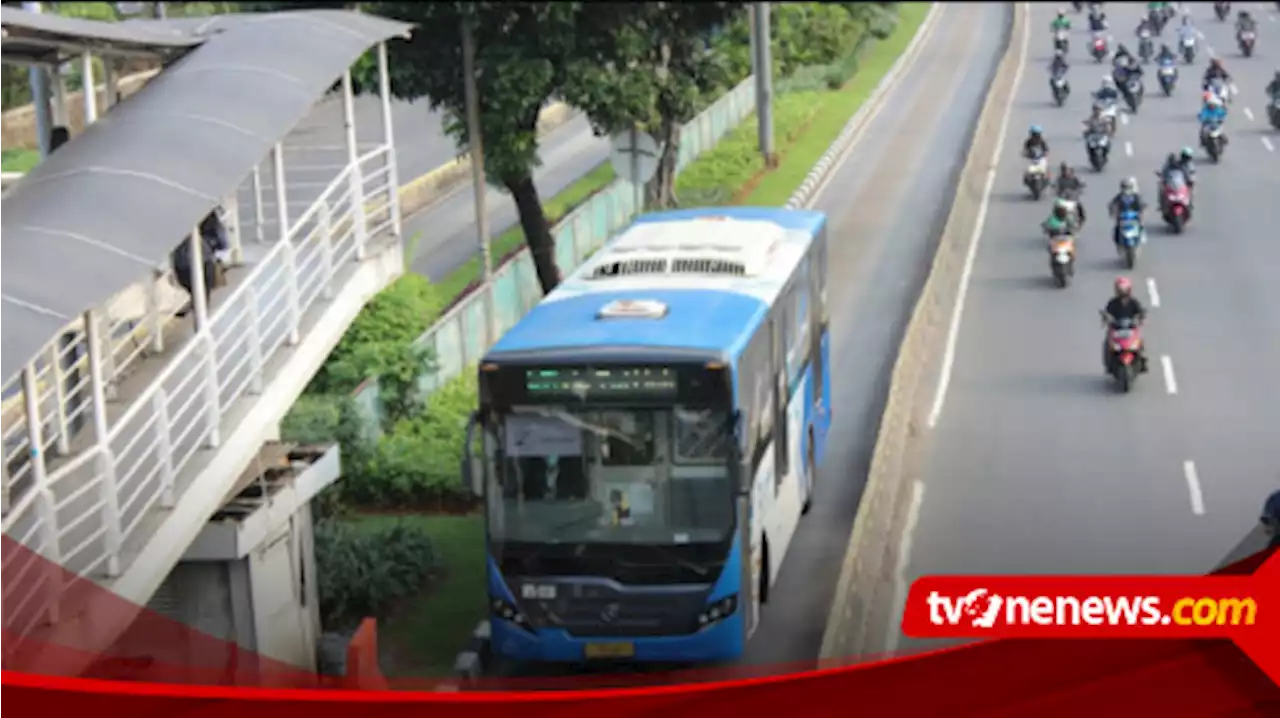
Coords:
609,613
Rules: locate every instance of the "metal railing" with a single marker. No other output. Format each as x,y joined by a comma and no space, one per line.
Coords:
83,511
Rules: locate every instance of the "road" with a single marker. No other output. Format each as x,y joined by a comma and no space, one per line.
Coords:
1037,463
886,204
315,152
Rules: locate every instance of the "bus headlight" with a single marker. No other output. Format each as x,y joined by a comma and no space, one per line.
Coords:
507,612
718,611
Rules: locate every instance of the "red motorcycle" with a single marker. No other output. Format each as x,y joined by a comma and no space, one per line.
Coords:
1175,201
1125,359
1099,49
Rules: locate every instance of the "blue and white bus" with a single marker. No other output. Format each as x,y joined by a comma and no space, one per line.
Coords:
648,438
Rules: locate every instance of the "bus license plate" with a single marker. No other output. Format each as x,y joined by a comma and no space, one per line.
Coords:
610,650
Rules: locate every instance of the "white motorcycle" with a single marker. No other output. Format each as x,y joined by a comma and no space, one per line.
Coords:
1188,48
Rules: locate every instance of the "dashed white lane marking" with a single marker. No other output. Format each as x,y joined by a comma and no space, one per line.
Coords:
1153,292
1267,143
900,583
1170,379
1124,118
1193,486
1128,149
1248,113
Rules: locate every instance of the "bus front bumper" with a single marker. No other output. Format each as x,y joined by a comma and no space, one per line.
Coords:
718,642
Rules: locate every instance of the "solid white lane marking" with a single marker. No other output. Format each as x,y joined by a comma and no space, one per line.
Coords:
1128,149
1170,379
957,314
1248,113
1267,143
893,632
1193,486
1153,292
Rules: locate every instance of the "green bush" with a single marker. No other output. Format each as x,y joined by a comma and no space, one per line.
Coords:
363,571
416,463
804,34
379,338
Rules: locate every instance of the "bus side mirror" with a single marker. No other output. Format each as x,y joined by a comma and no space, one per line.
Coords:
472,463
737,457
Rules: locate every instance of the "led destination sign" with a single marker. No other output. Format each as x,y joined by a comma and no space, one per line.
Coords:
602,383
611,384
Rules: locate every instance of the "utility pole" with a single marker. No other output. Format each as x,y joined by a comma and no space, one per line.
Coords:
475,148
161,11
762,61
41,95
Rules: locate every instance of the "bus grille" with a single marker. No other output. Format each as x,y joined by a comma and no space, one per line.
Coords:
601,611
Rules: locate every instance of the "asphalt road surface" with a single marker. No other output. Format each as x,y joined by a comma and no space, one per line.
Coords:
886,203
1037,463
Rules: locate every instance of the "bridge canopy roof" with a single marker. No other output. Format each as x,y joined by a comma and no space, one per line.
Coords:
99,214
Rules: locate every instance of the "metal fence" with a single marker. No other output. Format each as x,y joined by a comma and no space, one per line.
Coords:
458,338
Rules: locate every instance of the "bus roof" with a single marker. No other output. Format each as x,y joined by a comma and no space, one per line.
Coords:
679,284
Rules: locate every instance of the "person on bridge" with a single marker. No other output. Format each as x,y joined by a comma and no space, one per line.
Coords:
1035,141
213,236
1124,305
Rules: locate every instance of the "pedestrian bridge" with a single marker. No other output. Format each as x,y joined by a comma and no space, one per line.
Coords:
127,422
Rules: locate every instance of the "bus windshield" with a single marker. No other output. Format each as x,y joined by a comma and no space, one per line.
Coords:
610,476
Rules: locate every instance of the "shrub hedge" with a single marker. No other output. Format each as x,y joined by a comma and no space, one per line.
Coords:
362,571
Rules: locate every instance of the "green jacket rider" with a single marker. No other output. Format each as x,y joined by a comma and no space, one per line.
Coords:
1061,221
1060,22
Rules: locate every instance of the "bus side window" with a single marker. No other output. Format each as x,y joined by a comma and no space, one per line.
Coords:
817,314
778,368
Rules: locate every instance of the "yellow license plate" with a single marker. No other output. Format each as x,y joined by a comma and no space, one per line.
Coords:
610,650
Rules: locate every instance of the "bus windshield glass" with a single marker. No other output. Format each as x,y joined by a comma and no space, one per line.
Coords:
610,476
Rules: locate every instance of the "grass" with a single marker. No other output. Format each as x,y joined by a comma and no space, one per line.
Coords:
459,282
19,160
805,124
423,636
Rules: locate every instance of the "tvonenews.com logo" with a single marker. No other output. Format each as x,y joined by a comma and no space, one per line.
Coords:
980,608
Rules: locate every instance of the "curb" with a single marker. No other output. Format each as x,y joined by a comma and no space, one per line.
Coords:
421,192
853,128
868,585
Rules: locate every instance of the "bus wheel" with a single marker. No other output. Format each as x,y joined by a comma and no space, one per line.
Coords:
812,470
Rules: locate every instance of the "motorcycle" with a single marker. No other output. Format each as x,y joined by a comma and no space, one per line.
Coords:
1146,48
1132,236
1060,88
1213,139
1175,201
1061,41
1168,77
1062,258
1099,48
1133,92
1245,39
1125,359
1099,148
1274,112
1188,49
1222,10
1036,177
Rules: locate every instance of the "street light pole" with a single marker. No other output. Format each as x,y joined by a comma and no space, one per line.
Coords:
475,148
763,56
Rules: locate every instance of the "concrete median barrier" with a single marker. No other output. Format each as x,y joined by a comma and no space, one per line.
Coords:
424,191
864,606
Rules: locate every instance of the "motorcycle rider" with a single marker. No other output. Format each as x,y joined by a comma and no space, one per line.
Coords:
1216,71
1058,66
1182,162
1166,56
1245,21
1095,123
1097,20
1127,200
1214,110
1107,93
1060,22
1273,88
1060,221
1124,305
1035,140
1122,58
1186,30
1070,186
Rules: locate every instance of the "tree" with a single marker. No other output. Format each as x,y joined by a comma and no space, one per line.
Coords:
648,65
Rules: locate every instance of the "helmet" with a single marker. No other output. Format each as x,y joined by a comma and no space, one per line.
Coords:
1059,210
1129,185
1062,12
1172,159
1107,81
1216,63
1036,131
1124,287
1187,153
1065,168
1244,15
